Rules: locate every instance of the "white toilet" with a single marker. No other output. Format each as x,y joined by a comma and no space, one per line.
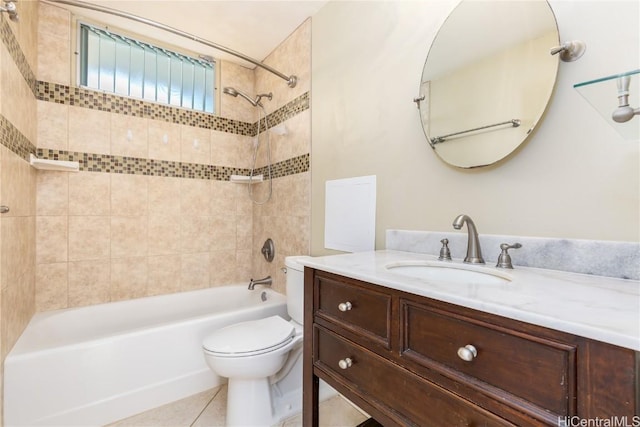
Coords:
262,360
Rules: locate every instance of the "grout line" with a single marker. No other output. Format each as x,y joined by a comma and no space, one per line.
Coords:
206,406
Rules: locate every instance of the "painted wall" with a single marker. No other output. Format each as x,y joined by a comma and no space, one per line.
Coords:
574,178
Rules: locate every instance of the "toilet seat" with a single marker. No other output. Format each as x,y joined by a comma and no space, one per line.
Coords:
250,338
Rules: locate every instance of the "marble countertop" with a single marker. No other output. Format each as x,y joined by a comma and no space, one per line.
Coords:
597,307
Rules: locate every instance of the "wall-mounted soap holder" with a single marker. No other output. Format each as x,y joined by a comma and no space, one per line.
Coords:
54,165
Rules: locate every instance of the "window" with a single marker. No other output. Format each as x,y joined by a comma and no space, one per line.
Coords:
129,67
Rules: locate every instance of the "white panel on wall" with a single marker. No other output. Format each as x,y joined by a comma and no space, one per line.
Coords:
350,214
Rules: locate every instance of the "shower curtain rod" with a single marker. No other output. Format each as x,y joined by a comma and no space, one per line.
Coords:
291,80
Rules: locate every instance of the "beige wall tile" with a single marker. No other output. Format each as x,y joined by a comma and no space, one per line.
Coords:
89,237
223,267
129,136
228,149
195,197
164,234
164,274
243,267
53,21
54,45
53,125
89,282
17,248
53,59
223,233
128,278
51,286
195,233
164,195
194,271
18,305
244,232
129,194
164,141
244,205
52,193
223,197
292,54
52,238
129,235
89,193
89,130
195,145
17,185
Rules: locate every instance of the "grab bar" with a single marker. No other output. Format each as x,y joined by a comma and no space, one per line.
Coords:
438,139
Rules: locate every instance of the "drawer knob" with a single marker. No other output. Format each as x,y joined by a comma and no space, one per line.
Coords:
467,353
345,306
345,363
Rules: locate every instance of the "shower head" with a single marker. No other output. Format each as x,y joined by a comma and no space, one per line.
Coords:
234,92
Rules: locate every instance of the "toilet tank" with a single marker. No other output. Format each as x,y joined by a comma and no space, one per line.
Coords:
295,287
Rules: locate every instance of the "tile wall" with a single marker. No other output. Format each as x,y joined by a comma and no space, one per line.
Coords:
17,179
152,210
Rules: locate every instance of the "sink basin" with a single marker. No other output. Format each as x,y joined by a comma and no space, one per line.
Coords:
449,273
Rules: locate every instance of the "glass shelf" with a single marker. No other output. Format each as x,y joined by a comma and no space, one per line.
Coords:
602,94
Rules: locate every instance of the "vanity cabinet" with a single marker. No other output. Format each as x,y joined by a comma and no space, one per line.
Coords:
411,360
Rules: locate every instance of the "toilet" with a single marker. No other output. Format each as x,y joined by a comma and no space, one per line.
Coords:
262,360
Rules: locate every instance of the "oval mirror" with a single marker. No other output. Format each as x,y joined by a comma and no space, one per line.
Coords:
487,79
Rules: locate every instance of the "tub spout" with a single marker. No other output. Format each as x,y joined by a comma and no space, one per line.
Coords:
265,282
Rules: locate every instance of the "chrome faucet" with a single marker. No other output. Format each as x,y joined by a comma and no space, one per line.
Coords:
474,254
265,282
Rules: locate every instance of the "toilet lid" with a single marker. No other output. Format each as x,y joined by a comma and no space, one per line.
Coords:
254,336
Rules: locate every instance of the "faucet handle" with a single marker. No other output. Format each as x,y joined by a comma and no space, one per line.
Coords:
445,253
504,259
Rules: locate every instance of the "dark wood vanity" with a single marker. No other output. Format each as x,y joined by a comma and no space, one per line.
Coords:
409,360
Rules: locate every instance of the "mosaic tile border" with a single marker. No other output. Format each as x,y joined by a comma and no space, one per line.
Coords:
12,45
14,140
106,163
95,100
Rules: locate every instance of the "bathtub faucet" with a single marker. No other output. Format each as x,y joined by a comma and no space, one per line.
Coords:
265,282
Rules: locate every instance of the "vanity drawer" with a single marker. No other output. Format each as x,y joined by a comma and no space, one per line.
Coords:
361,310
538,370
390,388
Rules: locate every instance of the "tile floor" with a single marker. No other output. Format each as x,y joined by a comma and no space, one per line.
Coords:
207,409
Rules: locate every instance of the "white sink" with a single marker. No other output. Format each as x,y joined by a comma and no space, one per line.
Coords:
444,271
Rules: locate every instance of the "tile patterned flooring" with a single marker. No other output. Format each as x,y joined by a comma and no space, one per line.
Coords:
207,409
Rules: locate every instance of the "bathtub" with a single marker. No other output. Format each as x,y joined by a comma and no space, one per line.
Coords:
94,365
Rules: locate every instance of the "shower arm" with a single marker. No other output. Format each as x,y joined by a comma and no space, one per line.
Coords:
291,80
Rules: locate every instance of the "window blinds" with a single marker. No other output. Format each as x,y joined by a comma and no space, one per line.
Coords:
124,66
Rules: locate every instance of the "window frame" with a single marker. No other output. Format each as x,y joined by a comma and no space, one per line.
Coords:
76,58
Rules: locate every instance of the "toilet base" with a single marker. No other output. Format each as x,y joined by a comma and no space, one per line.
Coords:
248,402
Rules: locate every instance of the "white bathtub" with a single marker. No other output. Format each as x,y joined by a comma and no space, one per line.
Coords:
94,365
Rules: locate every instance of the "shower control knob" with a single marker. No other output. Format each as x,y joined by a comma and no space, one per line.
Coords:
345,306
345,363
